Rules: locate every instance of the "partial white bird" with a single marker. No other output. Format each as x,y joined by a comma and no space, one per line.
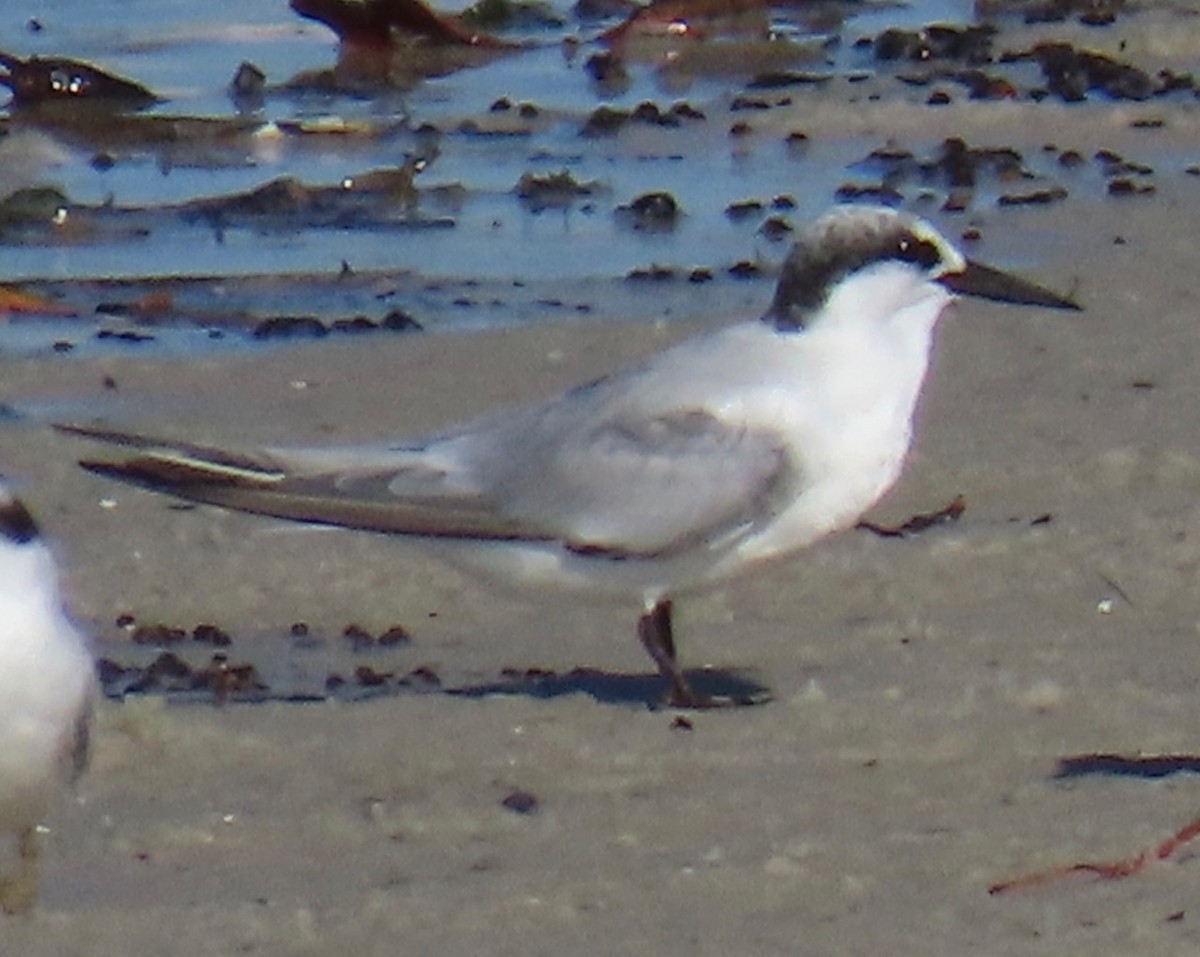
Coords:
707,459
47,679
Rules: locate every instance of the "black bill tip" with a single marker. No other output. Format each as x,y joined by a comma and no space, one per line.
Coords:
988,283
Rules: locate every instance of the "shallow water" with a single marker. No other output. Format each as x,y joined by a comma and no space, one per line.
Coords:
127,181
188,53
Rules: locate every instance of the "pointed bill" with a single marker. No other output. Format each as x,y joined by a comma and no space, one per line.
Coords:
988,283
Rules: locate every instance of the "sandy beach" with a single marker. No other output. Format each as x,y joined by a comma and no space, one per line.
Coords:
924,689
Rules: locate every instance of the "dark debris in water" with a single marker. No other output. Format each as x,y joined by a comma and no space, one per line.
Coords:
498,15
745,269
781,79
879,192
653,273
979,84
310,327
607,121
657,211
1096,13
959,170
1035,197
966,44
228,305
400,23
1124,186
539,191
378,200
954,163
1069,72
776,228
56,82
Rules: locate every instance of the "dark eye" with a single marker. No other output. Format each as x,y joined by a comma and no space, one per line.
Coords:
920,251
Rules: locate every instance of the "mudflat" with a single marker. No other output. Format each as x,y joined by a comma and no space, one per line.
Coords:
925,689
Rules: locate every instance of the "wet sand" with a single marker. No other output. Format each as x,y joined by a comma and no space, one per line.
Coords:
924,689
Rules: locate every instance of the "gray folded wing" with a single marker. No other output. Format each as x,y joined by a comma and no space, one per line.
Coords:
630,484
637,485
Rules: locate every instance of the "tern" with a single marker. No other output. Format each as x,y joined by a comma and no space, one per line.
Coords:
46,685
712,457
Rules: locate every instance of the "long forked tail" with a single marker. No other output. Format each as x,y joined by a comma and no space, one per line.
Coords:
180,468
375,496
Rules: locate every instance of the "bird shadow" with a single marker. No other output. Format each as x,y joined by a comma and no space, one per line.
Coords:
201,676
724,685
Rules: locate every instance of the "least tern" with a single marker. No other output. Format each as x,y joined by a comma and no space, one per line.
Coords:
707,459
46,685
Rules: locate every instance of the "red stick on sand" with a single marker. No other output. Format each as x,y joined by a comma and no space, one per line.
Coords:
1112,870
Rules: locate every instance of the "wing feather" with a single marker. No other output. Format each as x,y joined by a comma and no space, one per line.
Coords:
620,483
645,485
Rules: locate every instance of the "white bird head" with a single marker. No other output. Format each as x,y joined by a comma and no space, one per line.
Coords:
907,259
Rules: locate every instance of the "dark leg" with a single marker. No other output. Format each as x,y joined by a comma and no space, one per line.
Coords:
654,630
19,892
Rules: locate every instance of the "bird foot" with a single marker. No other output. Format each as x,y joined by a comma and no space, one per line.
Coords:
18,892
17,895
